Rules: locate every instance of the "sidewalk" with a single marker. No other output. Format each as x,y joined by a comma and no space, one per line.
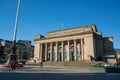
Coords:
53,69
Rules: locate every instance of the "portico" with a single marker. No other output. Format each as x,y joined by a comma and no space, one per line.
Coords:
67,50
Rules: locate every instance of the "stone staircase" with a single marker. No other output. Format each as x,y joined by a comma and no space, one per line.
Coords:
75,63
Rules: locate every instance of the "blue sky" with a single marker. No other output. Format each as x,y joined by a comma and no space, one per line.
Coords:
42,16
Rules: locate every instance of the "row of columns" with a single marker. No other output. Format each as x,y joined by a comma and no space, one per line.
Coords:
62,44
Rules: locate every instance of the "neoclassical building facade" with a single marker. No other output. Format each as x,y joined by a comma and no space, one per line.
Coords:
81,43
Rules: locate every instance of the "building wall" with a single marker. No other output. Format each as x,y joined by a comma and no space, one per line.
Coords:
88,46
99,45
28,48
22,47
72,31
7,45
37,51
118,56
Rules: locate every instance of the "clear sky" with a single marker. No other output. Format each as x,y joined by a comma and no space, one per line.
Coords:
42,16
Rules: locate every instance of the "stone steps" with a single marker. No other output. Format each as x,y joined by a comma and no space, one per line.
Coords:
75,63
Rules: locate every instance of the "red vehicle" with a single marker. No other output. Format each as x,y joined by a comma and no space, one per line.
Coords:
19,65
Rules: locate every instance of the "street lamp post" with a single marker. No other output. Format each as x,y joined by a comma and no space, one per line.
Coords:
13,55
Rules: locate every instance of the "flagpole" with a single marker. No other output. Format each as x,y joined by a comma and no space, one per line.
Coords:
13,55
16,21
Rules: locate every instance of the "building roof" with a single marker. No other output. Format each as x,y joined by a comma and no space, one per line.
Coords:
73,31
1,39
18,43
95,29
70,32
8,41
21,41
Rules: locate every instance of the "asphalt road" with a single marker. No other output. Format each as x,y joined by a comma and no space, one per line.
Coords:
58,76
31,72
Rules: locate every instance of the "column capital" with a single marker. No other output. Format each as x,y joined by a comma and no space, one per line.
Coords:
68,40
82,40
46,43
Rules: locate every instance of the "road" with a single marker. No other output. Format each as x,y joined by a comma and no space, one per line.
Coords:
34,72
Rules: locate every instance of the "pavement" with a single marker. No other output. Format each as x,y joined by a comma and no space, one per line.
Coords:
35,72
32,68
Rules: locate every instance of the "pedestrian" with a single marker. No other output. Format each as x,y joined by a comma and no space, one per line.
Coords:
41,63
91,58
13,65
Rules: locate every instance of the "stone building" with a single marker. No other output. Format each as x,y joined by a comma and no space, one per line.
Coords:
24,49
6,47
28,48
118,56
83,43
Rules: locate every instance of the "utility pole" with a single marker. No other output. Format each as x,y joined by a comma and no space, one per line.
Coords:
13,55
62,25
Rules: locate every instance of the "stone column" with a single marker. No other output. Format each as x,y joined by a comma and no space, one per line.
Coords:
41,51
82,48
37,51
75,50
50,51
46,51
68,51
56,51
62,50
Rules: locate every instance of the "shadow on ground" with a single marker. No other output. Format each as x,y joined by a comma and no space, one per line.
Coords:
58,76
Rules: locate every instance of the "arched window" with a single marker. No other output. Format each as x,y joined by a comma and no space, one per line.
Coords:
77,54
65,55
72,54
59,54
48,55
53,55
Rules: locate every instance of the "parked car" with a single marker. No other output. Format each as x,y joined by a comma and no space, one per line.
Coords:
19,65
22,61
